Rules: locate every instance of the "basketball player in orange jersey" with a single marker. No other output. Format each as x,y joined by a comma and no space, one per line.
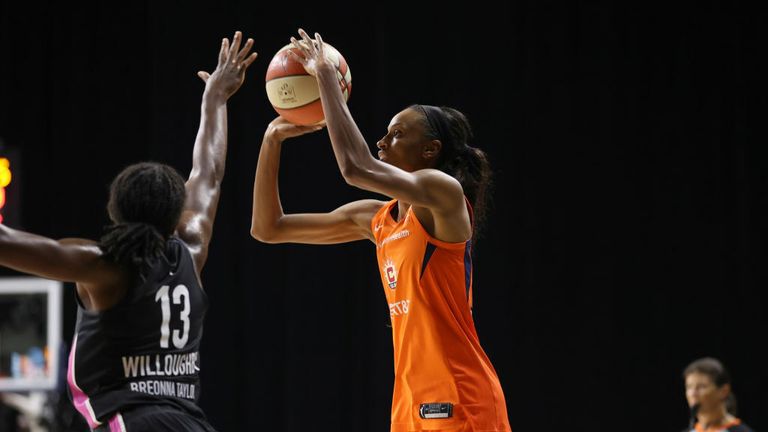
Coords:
443,379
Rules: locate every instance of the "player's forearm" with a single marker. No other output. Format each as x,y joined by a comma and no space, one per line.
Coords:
210,152
351,150
267,209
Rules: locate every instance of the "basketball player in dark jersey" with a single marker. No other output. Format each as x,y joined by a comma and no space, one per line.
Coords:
134,363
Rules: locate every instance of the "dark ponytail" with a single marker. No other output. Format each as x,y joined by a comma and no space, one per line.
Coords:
145,204
469,165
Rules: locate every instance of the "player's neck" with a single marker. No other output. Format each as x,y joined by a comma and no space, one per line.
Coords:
402,209
714,419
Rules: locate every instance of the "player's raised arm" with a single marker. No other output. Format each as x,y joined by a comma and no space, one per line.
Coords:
269,224
209,155
69,260
359,168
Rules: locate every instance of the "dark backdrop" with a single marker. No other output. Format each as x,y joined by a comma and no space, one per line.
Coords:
627,235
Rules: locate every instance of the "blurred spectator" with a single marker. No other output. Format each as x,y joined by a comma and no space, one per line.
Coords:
710,398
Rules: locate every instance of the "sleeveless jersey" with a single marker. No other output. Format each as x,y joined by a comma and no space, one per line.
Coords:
443,378
144,350
734,426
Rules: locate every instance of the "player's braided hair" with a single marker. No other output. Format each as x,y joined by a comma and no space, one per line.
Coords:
145,204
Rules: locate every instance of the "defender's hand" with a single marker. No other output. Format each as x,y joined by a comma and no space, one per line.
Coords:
230,72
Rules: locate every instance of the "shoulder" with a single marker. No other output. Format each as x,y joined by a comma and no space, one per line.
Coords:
175,240
443,190
366,205
84,248
436,182
191,228
364,212
373,209
176,247
436,177
80,242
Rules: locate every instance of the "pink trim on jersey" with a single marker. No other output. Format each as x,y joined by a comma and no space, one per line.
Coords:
116,424
80,399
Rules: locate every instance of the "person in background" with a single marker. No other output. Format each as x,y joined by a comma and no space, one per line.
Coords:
710,398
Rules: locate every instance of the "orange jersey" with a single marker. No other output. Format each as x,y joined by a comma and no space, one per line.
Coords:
443,379
734,426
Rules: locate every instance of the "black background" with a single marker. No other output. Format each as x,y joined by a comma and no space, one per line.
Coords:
627,235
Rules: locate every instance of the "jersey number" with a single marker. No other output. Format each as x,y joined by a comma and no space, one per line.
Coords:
179,339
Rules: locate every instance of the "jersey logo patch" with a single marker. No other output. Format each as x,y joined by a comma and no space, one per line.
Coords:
436,410
390,273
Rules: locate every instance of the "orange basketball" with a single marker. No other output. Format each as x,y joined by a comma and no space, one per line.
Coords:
294,93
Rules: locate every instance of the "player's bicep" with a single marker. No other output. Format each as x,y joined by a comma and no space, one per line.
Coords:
202,196
196,223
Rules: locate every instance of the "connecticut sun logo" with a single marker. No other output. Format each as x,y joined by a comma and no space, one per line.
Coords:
390,273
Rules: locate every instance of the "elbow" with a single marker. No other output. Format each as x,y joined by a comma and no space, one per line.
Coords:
353,174
261,234
264,234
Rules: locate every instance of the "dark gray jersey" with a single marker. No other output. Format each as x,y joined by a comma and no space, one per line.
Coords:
145,350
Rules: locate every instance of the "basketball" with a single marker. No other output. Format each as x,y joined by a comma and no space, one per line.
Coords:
294,93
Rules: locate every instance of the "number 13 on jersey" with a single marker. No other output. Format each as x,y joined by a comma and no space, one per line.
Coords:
180,338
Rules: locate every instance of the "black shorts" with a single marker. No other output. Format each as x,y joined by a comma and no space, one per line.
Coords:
155,419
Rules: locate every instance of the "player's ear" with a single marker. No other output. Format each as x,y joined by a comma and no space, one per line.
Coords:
431,150
724,391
